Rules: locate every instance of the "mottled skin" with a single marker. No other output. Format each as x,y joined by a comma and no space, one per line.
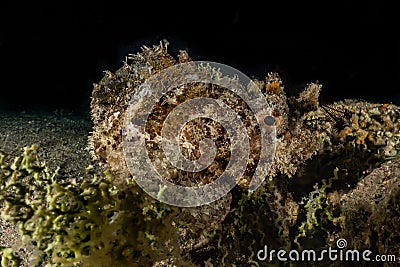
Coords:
111,96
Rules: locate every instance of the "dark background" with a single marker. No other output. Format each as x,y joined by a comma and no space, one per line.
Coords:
52,53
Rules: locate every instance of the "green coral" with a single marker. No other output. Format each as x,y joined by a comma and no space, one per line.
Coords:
90,222
8,257
317,209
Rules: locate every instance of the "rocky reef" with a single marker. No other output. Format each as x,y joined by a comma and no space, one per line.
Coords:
335,176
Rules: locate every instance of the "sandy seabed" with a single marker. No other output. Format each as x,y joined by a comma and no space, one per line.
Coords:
62,139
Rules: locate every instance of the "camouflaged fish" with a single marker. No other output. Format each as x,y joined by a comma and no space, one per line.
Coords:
304,129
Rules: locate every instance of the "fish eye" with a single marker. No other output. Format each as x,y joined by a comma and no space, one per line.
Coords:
269,120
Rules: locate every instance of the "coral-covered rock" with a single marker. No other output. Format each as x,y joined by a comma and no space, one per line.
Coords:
370,213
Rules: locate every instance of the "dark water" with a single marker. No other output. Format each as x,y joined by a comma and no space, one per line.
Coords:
53,55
